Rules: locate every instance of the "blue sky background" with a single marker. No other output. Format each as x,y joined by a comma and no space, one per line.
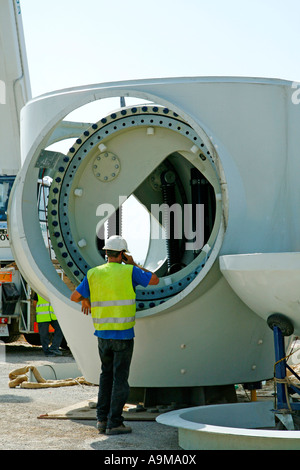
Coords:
72,42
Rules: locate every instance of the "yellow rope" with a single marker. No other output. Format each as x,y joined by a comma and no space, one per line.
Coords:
284,381
19,377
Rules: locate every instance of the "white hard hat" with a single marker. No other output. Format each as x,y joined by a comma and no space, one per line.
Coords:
116,243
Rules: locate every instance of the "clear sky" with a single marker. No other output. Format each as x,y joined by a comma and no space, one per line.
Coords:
73,42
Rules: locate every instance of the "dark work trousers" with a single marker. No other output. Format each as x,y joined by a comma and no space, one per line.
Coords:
115,358
45,336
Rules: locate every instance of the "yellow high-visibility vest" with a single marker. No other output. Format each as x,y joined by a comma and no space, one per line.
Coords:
112,296
44,311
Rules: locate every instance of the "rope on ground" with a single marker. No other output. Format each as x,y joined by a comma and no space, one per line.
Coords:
18,377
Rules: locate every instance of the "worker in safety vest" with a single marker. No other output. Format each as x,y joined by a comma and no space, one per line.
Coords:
45,318
108,292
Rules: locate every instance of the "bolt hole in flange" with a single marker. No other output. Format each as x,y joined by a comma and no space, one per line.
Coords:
145,173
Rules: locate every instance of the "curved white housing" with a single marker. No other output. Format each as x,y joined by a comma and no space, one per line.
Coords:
204,334
267,282
236,426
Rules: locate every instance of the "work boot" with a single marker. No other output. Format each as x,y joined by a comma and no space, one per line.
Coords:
55,352
122,429
101,426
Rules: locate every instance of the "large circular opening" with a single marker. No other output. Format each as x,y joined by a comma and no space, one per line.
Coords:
145,173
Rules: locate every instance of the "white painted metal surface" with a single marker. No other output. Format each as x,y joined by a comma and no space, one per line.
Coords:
14,93
237,426
267,282
204,334
14,85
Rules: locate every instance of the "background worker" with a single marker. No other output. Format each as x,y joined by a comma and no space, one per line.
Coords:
45,317
108,291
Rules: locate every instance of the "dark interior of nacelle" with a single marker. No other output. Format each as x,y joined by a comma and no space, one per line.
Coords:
172,187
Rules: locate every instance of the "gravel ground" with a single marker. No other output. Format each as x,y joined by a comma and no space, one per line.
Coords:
19,410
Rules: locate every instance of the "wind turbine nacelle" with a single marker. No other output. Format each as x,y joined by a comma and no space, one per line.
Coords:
211,164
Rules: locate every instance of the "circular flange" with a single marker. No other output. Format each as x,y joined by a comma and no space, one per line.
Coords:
106,167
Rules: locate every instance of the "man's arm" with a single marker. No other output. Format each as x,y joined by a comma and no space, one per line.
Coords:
154,279
85,303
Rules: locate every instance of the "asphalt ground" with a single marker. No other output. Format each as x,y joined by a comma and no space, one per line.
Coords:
20,409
